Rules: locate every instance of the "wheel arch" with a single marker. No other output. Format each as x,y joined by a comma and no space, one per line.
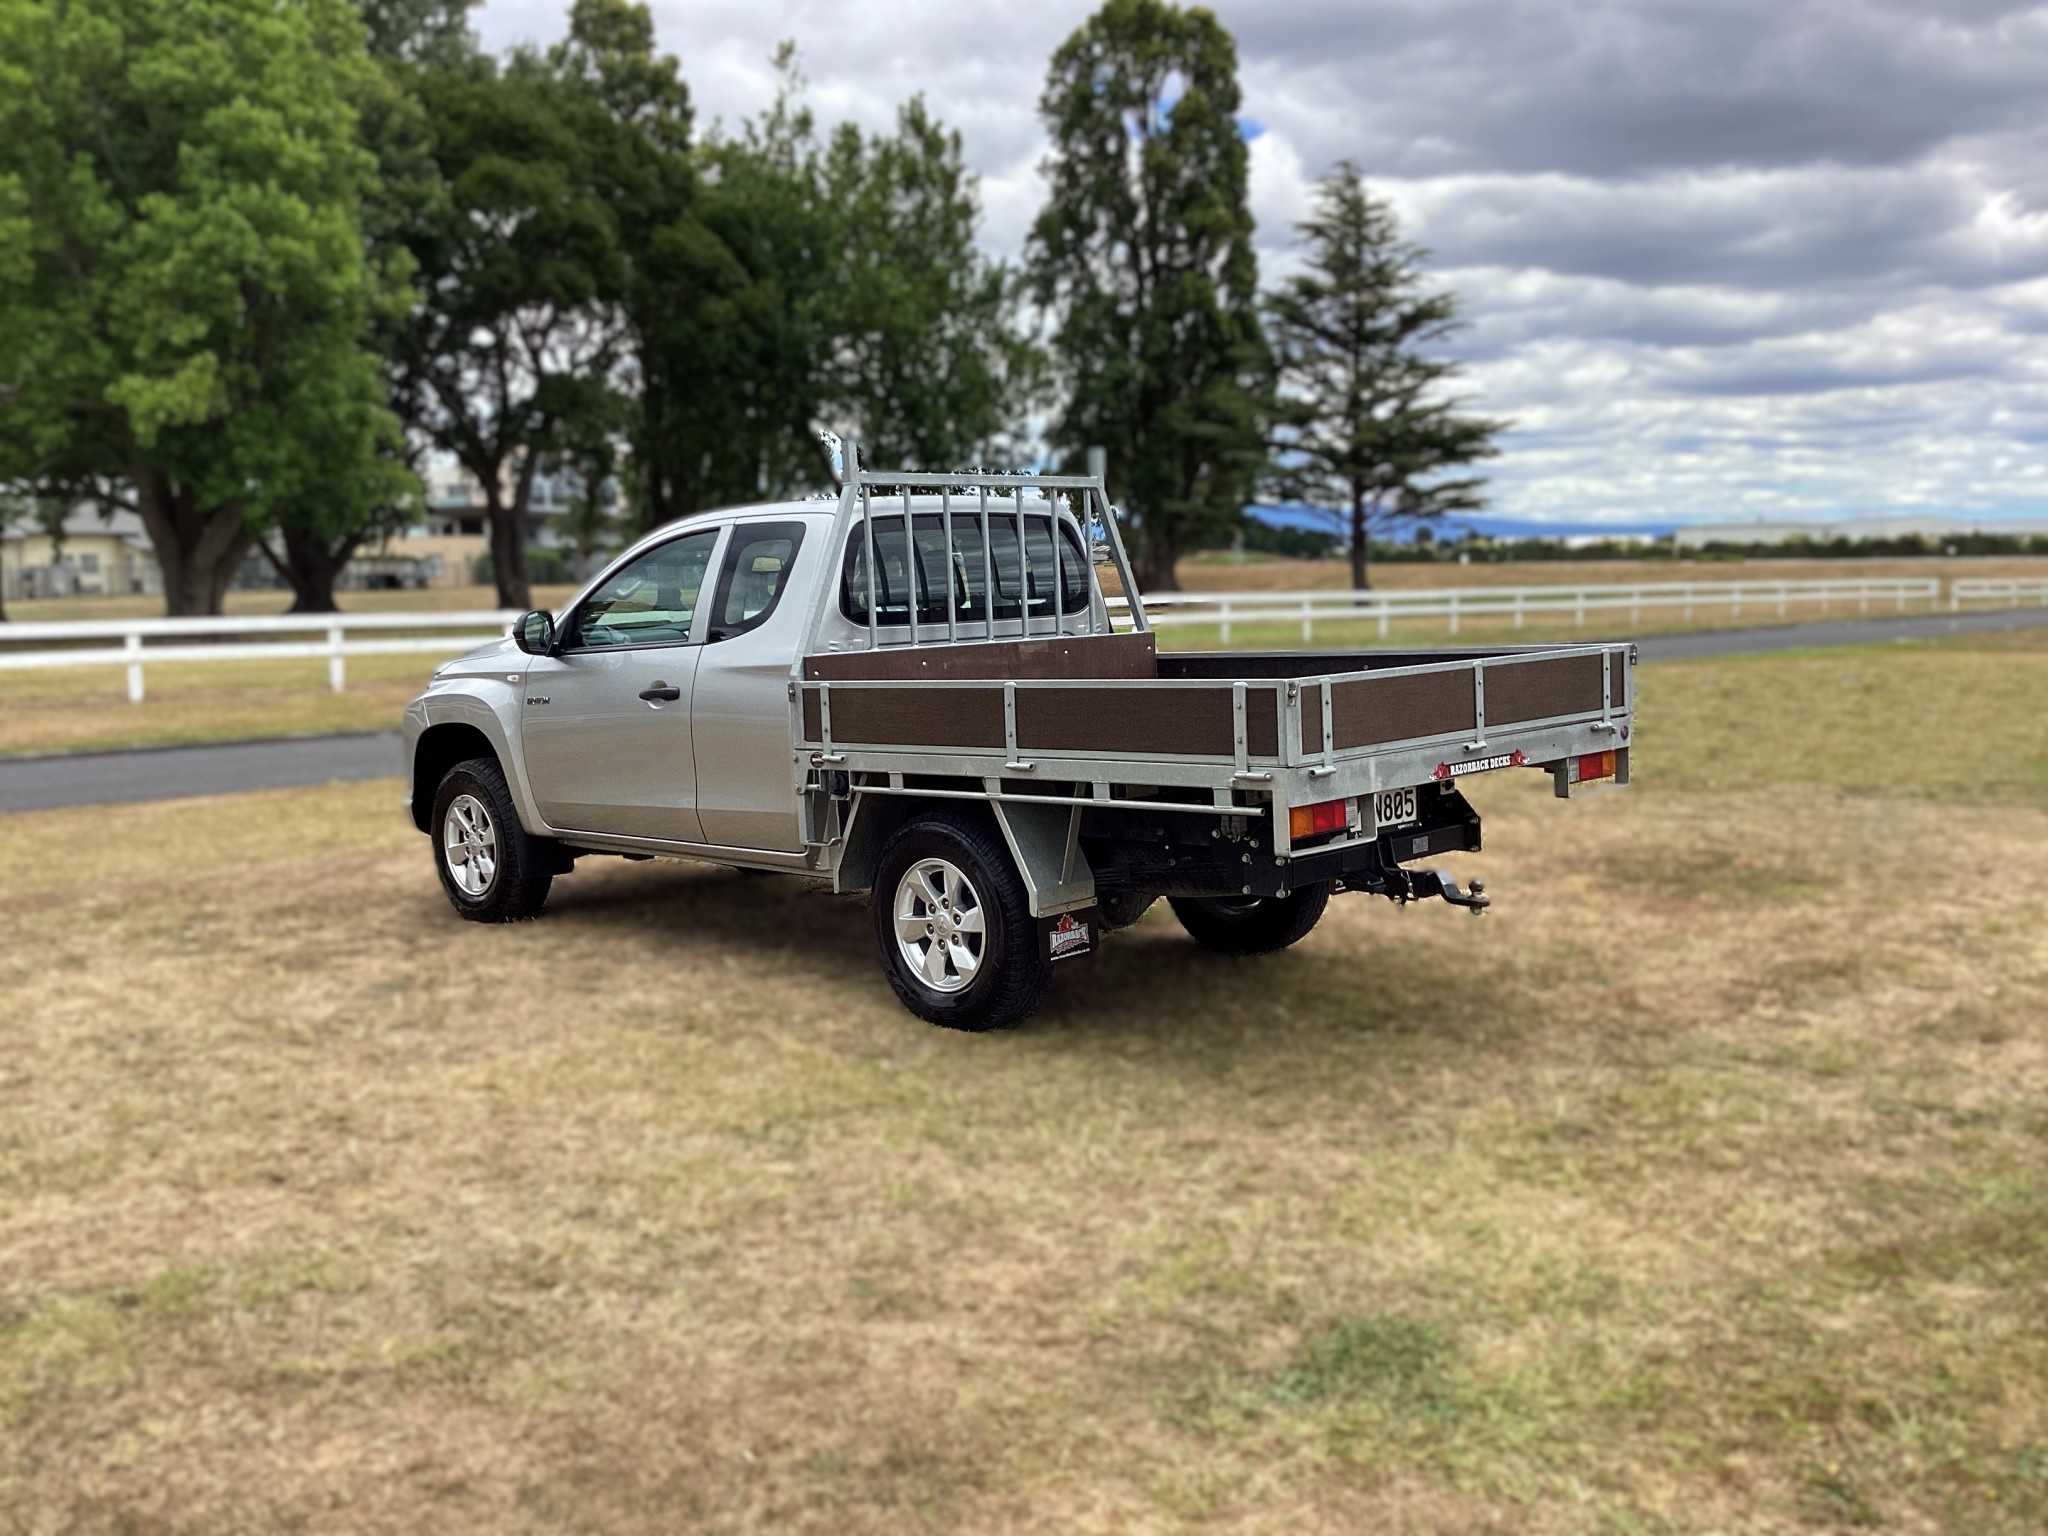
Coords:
440,748
878,818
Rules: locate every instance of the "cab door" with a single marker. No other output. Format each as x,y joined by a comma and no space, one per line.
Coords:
605,722
747,776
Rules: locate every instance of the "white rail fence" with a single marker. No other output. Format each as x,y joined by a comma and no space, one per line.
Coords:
335,636
1222,610
2000,592
136,644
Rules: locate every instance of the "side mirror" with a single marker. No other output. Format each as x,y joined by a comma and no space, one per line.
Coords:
535,633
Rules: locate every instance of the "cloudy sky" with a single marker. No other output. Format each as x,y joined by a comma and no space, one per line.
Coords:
1721,258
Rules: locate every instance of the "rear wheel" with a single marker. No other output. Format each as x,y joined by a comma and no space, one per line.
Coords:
954,926
1251,925
491,870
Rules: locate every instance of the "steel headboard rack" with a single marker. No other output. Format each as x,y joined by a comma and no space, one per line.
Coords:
858,487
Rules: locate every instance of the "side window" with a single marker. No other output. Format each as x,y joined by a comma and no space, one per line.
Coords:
757,565
1025,586
651,601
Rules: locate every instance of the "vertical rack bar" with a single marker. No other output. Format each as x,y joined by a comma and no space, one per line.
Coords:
1023,572
988,570
1141,623
867,522
952,593
910,570
1059,573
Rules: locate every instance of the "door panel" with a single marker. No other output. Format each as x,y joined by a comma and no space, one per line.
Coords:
747,776
605,726
602,759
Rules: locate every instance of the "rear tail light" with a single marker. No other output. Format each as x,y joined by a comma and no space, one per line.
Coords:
1323,816
1596,765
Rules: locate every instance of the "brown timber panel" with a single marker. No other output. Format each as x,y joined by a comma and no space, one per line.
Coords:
914,717
1617,682
1542,690
1370,711
814,716
1189,722
1070,658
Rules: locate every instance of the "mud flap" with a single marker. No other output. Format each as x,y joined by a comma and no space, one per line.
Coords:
1045,840
1072,934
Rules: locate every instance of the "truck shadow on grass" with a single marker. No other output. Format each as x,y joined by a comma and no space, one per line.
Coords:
1149,983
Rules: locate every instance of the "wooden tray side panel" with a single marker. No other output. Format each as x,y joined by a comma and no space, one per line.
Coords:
1372,711
1542,690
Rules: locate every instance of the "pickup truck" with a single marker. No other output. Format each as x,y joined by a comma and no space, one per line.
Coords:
918,690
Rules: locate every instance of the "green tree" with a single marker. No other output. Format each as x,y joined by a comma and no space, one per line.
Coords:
316,535
930,362
519,269
183,282
1143,252
822,279
1365,432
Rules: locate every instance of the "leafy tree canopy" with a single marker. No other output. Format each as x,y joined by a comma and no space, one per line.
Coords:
183,282
1144,254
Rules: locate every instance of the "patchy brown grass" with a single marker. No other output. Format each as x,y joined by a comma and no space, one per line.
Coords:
1698,1188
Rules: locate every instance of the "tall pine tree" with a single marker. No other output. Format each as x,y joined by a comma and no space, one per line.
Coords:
1144,255
1365,431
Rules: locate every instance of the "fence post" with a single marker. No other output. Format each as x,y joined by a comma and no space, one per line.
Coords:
1635,608
1955,598
1580,609
1381,604
337,666
1308,624
1226,622
133,647
1454,613
1518,607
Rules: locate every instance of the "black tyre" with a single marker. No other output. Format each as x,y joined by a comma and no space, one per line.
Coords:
492,870
954,926
1251,925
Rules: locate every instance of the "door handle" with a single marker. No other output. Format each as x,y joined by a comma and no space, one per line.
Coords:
661,693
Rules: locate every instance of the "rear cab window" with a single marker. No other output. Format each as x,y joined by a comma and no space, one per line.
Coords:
1020,589
754,577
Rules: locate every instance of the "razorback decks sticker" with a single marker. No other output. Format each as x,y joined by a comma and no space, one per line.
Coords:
1513,759
1069,936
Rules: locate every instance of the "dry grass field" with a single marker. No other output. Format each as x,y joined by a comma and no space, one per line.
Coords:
1701,1187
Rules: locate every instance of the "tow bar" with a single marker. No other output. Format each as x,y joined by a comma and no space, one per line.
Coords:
1406,885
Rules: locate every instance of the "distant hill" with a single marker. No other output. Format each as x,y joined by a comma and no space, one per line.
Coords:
1453,528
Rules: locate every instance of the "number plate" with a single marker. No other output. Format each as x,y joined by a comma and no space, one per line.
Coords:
1394,808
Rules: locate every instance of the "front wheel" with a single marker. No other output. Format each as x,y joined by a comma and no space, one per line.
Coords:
954,925
1251,925
491,870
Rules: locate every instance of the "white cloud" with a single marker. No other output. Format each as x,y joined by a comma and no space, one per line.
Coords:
1719,256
